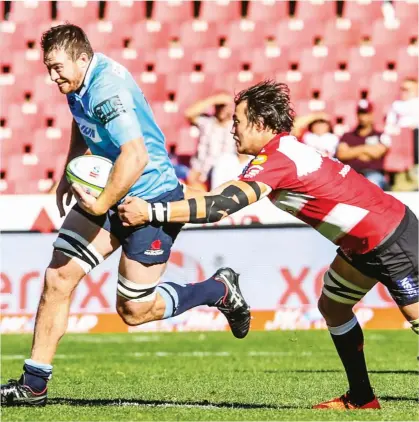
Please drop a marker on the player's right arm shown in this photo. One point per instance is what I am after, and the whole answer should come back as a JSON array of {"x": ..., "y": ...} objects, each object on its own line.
[
  {"x": 195, "y": 110},
  {"x": 77, "y": 147}
]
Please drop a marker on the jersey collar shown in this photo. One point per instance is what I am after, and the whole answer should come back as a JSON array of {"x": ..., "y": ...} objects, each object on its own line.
[
  {"x": 274, "y": 140},
  {"x": 88, "y": 76}
]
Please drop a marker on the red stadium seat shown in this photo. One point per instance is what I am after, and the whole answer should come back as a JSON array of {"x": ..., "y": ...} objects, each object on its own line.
[
  {"x": 263, "y": 64},
  {"x": 21, "y": 65},
  {"x": 366, "y": 64},
  {"x": 135, "y": 64},
  {"x": 400, "y": 156},
  {"x": 154, "y": 91},
  {"x": 147, "y": 39},
  {"x": 167, "y": 120},
  {"x": 342, "y": 37},
  {"x": 60, "y": 112},
  {"x": 362, "y": 11},
  {"x": 405, "y": 10},
  {"x": 298, "y": 89},
  {"x": 15, "y": 145},
  {"x": 189, "y": 91},
  {"x": 187, "y": 141},
  {"x": 312, "y": 64},
  {"x": 103, "y": 41},
  {"x": 265, "y": 11},
  {"x": 47, "y": 147},
  {"x": 213, "y": 63},
  {"x": 219, "y": 10},
  {"x": 11, "y": 41},
  {"x": 16, "y": 119},
  {"x": 46, "y": 92},
  {"x": 80, "y": 13},
  {"x": 124, "y": 13},
  {"x": 241, "y": 34},
  {"x": 172, "y": 11},
  {"x": 189, "y": 36},
  {"x": 297, "y": 38},
  {"x": 166, "y": 64},
  {"x": 17, "y": 171},
  {"x": 394, "y": 37},
  {"x": 381, "y": 90},
  {"x": 407, "y": 65},
  {"x": 347, "y": 110},
  {"x": 315, "y": 10},
  {"x": 232, "y": 84},
  {"x": 333, "y": 89},
  {"x": 22, "y": 11}
]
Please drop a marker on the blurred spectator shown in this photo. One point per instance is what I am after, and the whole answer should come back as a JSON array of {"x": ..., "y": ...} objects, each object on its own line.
[
  {"x": 404, "y": 113},
  {"x": 321, "y": 137},
  {"x": 228, "y": 167},
  {"x": 364, "y": 148},
  {"x": 182, "y": 171},
  {"x": 215, "y": 138}
]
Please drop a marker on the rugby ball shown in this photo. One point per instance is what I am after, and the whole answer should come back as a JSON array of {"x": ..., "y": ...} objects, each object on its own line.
[{"x": 91, "y": 172}]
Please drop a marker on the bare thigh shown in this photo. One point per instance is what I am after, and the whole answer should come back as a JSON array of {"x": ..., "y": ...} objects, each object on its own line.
[{"x": 141, "y": 274}]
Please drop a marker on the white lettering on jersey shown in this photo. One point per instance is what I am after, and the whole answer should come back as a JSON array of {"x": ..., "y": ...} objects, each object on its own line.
[
  {"x": 306, "y": 159},
  {"x": 252, "y": 171},
  {"x": 88, "y": 129},
  {"x": 345, "y": 170}
]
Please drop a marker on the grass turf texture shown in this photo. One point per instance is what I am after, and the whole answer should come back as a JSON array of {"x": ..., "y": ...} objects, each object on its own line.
[{"x": 212, "y": 376}]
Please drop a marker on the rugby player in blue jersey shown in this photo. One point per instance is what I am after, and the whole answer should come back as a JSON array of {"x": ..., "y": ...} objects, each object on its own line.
[{"x": 112, "y": 118}]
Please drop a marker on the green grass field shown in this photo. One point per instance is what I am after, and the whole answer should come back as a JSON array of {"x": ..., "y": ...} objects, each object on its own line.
[{"x": 212, "y": 376}]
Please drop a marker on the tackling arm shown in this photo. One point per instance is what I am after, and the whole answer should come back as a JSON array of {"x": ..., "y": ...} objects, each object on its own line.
[
  {"x": 210, "y": 208},
  {"x": 128, "y": 167}
]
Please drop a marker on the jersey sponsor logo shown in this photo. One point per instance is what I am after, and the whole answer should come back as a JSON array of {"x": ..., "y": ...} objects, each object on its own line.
[
  {"x": 95, "y": 172},
  {"x": 345, "y": 170},
  {"x": 252, "y": 171},
  {"x": 109, "y": 109},
  {"x": 88, "y": 130},
  {"x": 260, "y": 159}
]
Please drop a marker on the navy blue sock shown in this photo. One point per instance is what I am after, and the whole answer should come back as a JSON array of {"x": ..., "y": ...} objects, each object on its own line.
[
  {"x": 36, "y": 375},
  {"x": 181, "y": 297}
]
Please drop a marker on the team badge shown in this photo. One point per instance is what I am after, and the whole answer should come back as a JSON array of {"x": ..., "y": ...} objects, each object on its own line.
[
  {"x": 260, "y": 159},
  {"x": 109, "y": 109}
]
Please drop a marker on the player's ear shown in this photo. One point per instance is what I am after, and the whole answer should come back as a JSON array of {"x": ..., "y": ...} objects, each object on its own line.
[{"x": 83, "y": 60}]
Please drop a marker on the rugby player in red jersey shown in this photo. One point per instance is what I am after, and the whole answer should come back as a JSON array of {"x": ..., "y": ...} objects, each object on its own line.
[{"x": 376, "y": 235}]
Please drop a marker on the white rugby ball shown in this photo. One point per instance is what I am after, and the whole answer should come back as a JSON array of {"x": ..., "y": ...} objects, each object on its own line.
[{"x": 91, "y": 172}]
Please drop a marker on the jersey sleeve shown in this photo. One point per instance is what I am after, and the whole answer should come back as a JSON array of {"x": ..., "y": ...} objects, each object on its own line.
[
  {"x": 270, "y": 169},
  {"x": 113, "y": 107}
]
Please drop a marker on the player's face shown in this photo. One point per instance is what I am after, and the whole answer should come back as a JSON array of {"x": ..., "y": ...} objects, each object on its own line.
[
  {"x": 247, "y": 136},
  {"x": 409, "y": 89},
  {"x": 65, "y": 72},
  {"x": 365, "y": 119}
]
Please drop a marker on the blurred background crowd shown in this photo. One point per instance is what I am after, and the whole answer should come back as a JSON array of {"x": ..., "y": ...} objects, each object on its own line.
[{"x": 351, "y": 67}]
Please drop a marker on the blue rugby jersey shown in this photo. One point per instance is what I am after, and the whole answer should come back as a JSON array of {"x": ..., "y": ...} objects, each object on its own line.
[{"x": 110, "y": 110}]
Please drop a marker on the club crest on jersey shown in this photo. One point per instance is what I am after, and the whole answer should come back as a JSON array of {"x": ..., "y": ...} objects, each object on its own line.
[
  {"x": 260, "y": 159},
  {"x": 109, "y": 109}
]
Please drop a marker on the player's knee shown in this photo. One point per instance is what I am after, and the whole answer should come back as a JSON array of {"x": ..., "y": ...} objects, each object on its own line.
[
  {"x": 332, "y": 310},
  {"x": 133, "y": 314},
  {"x": 57, "y": 283}
]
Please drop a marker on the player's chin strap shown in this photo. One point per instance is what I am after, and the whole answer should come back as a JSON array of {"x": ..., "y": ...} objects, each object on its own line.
[{"x": 415, "y": 325}]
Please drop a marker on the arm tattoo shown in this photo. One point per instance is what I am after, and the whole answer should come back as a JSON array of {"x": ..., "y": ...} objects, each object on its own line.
[{"x": 230, "y": 200}]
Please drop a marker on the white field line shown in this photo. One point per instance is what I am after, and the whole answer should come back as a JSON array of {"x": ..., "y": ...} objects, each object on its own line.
[{"x": 162, "y": 354}]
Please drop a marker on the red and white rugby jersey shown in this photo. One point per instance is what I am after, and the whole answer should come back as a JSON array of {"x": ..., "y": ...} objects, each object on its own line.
[{"x": 326, "y": 194}]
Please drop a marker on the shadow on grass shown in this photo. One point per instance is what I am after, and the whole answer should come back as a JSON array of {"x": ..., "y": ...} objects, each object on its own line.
[
  {"x": 336, "y": 371},
  {"x": 164, "y": 403},
  {"x": 391, "y": 398}
]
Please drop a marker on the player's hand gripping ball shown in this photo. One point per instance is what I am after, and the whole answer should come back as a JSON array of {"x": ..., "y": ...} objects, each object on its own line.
[{"x": 91, "y": 172}]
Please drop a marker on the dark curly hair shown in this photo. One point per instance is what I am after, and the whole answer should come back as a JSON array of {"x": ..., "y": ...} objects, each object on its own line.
[
  {"x": 69, "y": 37},
  {"x": 268, "y": 103}
]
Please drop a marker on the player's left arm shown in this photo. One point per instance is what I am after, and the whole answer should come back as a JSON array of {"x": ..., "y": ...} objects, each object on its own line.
[
  {"x": 207, "y": 208},
  {"x": 116, "y": 113}
]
